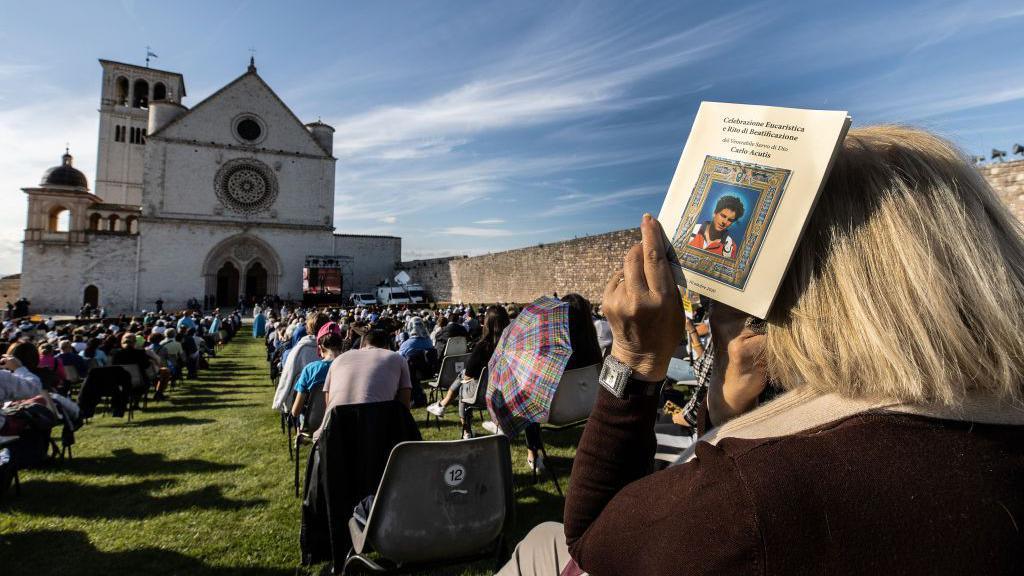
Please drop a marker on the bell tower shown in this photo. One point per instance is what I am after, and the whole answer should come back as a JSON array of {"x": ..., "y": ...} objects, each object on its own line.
[{"x": 125, "y": 99}]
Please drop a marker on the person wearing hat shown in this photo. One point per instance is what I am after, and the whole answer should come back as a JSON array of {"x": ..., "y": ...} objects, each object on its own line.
[{"x": 329, "y": 341}]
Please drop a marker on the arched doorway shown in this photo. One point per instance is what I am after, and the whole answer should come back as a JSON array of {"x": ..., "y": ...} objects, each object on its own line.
[
  {"x": 257, "y": 265},
  {"x": 227, "y": 285},
  {"x": 91, "y": 296},
  {"x": 256, "y": 281}
]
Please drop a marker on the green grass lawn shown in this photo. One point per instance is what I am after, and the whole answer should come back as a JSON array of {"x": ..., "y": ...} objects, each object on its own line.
[{"x": 200, "y": 484}]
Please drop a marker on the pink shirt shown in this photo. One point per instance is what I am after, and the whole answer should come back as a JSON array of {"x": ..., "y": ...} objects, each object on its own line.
[{"x": 366, "y": 375}]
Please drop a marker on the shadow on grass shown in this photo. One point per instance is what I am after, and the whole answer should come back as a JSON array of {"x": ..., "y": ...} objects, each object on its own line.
[
  {"x": 126, "y": 461},
  {"x": 44, "y": 552},
  {"x": 197, "y": 405},
  {"x": 123, "y": 501},
  {"x": 203, "y": 392},
  {"x": 565, "y": 438},
  {"x": 168, "y": 421}
]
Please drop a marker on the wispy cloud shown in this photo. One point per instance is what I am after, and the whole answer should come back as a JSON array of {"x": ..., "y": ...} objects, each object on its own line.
[
  {"x": 561, "y": 76},
  {"x": 10, "y": 69},
  {"x": 490, "y": 221},
  {"x": 483, "y": 232},
  {"x": 576, "y": 203}
]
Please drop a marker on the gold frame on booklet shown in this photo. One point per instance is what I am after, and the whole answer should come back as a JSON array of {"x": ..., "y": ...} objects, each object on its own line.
[{"x": 759, "y": 189}]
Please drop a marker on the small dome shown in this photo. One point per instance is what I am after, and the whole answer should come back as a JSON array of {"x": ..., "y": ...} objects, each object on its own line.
[{"x": 64, "y": 175}]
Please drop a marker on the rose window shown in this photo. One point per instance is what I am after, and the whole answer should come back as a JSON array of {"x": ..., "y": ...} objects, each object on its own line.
[{"x": 246, "y": 186}]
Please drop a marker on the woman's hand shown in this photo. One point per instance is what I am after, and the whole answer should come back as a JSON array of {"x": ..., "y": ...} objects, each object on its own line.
[
  {"x": 643, "y": 306},
  {"x": 739, "y": 374}
]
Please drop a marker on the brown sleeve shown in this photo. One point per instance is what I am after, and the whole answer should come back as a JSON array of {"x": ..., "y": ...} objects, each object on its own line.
[
  {"x": 617, "y": 447},
  {"x": 621, "y": 520}
]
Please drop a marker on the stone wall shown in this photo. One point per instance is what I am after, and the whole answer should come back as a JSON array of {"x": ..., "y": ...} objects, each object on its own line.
[
  {"x": 584, "y": 265},
  {"x": 434, "y": 274},
  {"x": 107, "y": 262},
  {"x": 1008, "y": 180}
]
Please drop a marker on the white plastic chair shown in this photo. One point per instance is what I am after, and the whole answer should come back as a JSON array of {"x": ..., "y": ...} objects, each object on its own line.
[{"x": 456, "y": 345}]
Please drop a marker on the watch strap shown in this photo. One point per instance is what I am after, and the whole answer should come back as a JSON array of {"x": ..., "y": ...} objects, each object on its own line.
[{"x": 646, "y": 388}]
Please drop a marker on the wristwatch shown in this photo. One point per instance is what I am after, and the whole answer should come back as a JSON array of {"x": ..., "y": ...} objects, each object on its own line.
[{"x": 617, "y": 378}]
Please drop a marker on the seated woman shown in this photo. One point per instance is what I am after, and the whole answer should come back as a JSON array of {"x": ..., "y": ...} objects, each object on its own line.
[
  {"x": 899, "y": 446},
  {"x": 48, "y": 361},
  {"x": 585, "y": 352},
  {"x": 17, "y": 377},
  {"x": 419, "y": 339},
  {"x": 329, "y": 342},
  {"x": 495, "y": 322}
]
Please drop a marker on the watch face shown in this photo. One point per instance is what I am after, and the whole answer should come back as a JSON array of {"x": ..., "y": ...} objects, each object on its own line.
[{"x": 612, "y": 379}]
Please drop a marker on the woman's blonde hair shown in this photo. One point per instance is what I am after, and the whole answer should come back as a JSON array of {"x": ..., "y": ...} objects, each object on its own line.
[{"x": 909, "y": 281}]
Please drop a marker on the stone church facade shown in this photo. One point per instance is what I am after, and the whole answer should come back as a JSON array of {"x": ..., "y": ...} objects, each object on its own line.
[{"x": 231, "y": 197}]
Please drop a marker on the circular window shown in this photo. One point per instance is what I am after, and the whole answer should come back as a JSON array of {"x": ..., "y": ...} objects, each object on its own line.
[
  {"x": 245, "y": 185},
  {"x": 249, "y": 129}
]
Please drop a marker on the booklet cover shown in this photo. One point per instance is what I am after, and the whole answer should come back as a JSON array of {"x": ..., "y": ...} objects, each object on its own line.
[{"x": 745, "y": 185}]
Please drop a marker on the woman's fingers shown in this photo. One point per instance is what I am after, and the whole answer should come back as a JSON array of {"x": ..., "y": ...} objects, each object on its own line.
[
  {"x": 656, "y": 269},
  {"x": 612, "y": 284},
  {"x": 633, "y": 269}
]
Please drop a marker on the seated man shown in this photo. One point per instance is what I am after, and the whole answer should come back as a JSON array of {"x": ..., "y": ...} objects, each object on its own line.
[{"x": 370, "y": 374}]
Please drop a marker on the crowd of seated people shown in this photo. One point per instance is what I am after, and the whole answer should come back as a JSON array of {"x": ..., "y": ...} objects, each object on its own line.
[
  {"x": 297, "y": 356},
  {"x": 45, "y": 363}
]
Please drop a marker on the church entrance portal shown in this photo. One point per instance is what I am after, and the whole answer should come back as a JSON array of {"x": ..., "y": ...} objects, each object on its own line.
[
  {"x": 227, "y": 285},
  {"x": 256, "y": 281},
  {"x": 243, "y": 264},
  {"x": 91, "y": 296}
]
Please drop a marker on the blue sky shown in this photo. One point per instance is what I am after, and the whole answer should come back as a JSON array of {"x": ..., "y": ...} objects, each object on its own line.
[{"x": 476, "y": 126}]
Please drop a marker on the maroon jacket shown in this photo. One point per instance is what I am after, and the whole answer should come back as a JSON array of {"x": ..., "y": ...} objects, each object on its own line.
[{"x": 876, "y": 493}]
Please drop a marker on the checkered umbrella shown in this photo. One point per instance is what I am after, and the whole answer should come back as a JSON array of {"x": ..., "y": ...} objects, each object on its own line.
[{"x": 527, "y": 365}]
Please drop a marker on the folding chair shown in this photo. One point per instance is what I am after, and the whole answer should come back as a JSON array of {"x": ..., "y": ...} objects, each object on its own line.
[
  {"x": 451, "y": 367},
  {"x": 73, "y": 379},
  {"x": 139, "y": 386},
  {"x": 438, "y": 503},
  {"x": 571, "y": 406},
  {"x": 456, "y": 345},
  {"x": 474, "y": 395},
  {"x": 309, "y": 422},
  {"x": 422, "y": 366},
  {"x": 574, "y": 399}
]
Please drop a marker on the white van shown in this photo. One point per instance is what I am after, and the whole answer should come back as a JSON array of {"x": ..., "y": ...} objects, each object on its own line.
[
  {"x": 362, "y": 299},
  {"x": 417, "y": 295},
  {"x": 388, "y": 295}
]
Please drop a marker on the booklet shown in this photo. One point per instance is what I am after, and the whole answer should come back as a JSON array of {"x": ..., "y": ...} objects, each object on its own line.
[{"x": 745, "y": 185}]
